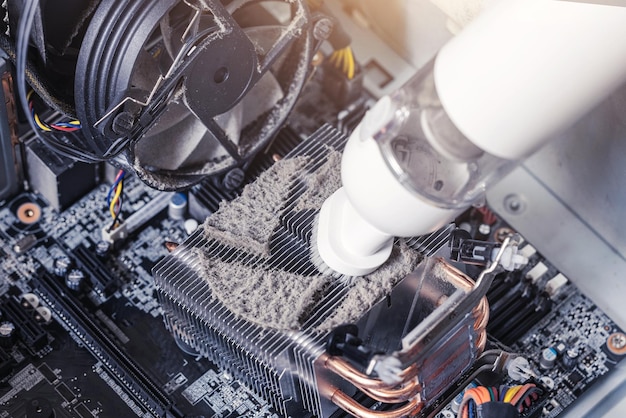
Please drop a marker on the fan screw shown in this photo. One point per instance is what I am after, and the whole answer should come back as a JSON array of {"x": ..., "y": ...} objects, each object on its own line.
[
  {"x": 233, "y": 179},
  {"x": 322, "y": 29},
  {"x": 123, "y": 123}
]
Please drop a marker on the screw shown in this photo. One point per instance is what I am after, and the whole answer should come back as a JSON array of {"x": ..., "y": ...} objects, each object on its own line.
[
  {"x": 234, "y": 178},
  {"x": 123, "y": 123},
  {"x": 322, "y": 29},
  {"x": 514, "y": 204}
]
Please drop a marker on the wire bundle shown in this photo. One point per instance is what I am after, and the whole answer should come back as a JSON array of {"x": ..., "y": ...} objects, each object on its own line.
[
  {"x": 70, "y": 126},
  {"x": 67, "y": 143},
  {"x": 343, "y": 59},
  {"x": 488, "y": 216},
  {"x": 114, "y": 198},
  {"x": 521, "y": 397}
]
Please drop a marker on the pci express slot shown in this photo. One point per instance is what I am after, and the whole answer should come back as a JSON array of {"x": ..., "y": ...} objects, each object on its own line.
[
  {"x": 6, "y": 363},
  {"x": 98, "y": 273},
  {"x": 33, "y": 335},
  {"x": 127, "y": 372}
]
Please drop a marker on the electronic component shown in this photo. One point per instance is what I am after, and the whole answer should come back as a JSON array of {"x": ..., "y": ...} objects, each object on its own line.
[
  {"x": 29, "y": 330},
  {"x": 536, "y": 272},
  {"x": 25, "y": 243},
  {"x": 548, "y": 358},
  {"x": 555, "y": 284},
  {"x": 341, "y": 88},
  {"x": 122, "y": 230},
  {"x": 616, "y": 343},
  {"x": 8, "y": 163},
  {"x": 263, "y": 226},
  {"x": 59, "y": 179},
  {"x": 76, "y": 275},
  {"x": 570, "y": 358},
  {"x": 28, "y": 213},
  {"x": 74, "y": 279},
  {"x": 8, "y": 334},
  {"x": 62, "y": 265},
  {"x": 177, "y": 208}
]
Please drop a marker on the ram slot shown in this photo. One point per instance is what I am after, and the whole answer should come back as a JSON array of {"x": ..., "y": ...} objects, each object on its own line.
[{"x": 138, "y": 385}]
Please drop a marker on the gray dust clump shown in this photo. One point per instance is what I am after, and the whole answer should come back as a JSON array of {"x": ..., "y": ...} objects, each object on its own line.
[
  {"x": 248, "y": 221},
  {"x": 270, "y": 298},
  {"x": 278, "y": 299},
  {"x": 368, "y": 290},
  {"x": 325, "y": 181}
]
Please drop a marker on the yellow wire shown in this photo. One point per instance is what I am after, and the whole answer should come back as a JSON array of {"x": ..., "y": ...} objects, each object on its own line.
[
  {"x": 116, "y": 197},
  {"x": 351, "y": 67},
  {"x": 346, "y": 64},
  {"x": 40, "y": 124},
  {"x": 510, "y": 394}
]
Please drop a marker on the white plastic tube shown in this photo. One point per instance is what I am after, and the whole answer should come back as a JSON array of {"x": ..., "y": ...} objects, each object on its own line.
[
  {"x": 521, "y": 72},
  {"x": 526, "y": 69}
]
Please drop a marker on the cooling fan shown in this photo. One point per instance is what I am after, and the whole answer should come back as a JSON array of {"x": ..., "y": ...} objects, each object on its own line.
[{"x": 194, "y": 88}]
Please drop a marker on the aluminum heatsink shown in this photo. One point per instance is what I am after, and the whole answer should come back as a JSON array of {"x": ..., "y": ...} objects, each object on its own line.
[{"x": 287, "y": 363}]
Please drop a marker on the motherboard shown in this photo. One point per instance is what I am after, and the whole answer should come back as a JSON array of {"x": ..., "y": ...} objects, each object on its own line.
[
  {"x": 540, "y": 314},
  {"x": 82, "y": 332},
  {"x": 82, "y": 335}
]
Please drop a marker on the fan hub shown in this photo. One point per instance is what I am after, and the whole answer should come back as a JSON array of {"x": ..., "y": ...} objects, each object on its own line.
[{"x": 220, "y": 74}]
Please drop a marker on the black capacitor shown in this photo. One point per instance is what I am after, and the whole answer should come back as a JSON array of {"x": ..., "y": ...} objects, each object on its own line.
[
  {"x": 8, "y": 334},
  {"x": 62, "y": 265},
  {"x": 570, "y": 358},
  {"x": 102, "y": 248},
  {"x": 74, "y": 279}
]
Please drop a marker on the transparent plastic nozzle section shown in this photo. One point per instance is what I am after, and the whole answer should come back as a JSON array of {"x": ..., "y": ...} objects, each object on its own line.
[
  {"x": 406, "y": 171},
  {"x": 427, "y": 153}
]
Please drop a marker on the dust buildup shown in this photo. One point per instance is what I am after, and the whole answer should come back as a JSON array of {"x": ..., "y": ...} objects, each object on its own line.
[
  {"x": 278, "y": 299},
  {"x": 369, "y": 290},
  {"x": 269, "y": 298},
  {"x": 248, "y": 221},
  {"x": 326, "y": 181}
]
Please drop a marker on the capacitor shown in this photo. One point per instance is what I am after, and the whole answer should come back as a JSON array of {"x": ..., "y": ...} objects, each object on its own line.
[
  {"x": 102, "y": 248},
  {"x": 62, "y": 265},
  {"x": 74, "y": 279},
  {"x": 455, "y": 405},
  {"x": 8, "y": 334},
  {"x": 570, "y": 358},
  {"x": 190, "y": 226},
  {"x": 177, "y": 207},
  {"x": 548, "y": 358}
]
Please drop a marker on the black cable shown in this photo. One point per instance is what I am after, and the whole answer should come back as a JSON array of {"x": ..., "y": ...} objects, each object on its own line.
[{"x": 59, "y": 145}]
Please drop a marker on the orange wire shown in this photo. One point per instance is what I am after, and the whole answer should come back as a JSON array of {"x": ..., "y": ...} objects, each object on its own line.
[{"x": 520, "y": 394}]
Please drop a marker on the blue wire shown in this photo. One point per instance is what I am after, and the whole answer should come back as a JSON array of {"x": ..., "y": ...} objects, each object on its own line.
[
  {"x": 114, "y": 186},
  {"x": 67, "y": 125},
  {"x": 470, "y": 406}
]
